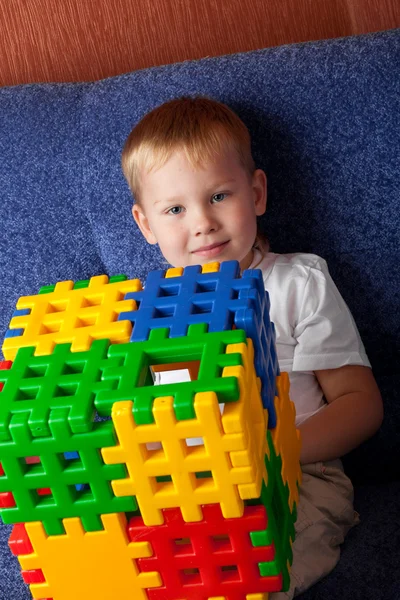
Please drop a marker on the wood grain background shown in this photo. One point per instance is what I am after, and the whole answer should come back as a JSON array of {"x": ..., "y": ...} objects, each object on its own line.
[{"x": 81, "y": 40}]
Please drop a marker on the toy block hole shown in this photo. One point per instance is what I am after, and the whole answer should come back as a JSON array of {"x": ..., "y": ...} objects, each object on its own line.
[
  {"x": 182, "y": 547},
  {"x": 190, "y": 577},
  {"x": 235, "y": 294},
  {"x": 81, "y": 493},
  {"x": 201, "y": 308},
  {"x": 86, "y": 321},
  {"x": 32, "y": 465},
  {"x": 168, "y": 290},
  {"x": 163, "y": 485},
  {"x": 73, "y": 368},
  {"x": 35, "y": 371},
  {"x": 229, "y": 573},
  {"x": 163, "y": 478},
  {"x": 221, "y": 543},
  {"x": 175, "y": 372},
  {"x": 65, "y": 389},
  {"x": 192, "y": 442},
  {"x": 152, "y": 447},
  {"x": 2, "y": 474},
  {"x": 164, "y": 311},
  {"x": 204, "y": 480},
  {"x": 48, "y": 328},
  {"x": 203, "y": 475},
  {"x": 205, "y": 286},
  {"x": 30, "y": 393},
  {"x": 44, "y": 491},
  {"x": 56, "y": 307},
  {"x": 43, "y": 497},
  {"x": 95, "y": 300},
  {"x": 70, "y": 462}
]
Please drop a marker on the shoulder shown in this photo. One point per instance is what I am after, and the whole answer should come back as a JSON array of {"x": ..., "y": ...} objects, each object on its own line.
[{"x": 295, "y": 268}]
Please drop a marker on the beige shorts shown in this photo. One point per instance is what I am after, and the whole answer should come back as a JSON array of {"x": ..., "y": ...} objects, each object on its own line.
[{"x": 324, "y": 516}]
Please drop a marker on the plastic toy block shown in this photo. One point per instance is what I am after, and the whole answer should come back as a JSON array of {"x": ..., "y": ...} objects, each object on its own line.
[
  {"x": 233, "y": 451},
  {"x": 5, "y": 364},
  {"x": 215, "y": 295},
  {"x": 24, "y": 478},
  {"x": 82, "y": 565},
  {"x": 37, "y": 385},
  {"x": 72, "y": 315},
  {"x": 13, "y": 333},
  {"x": 33, "y": 576},
  {"x": 79, "y": 285},
  {"x": 19, "y": 542},
  {"x": 131, "y": 379},
  {"x": 7, "y": 500},
  {"x": 47, "y": 289},
  {"x": 286, "y": 439},
  {"x": 210, "y": 558},
  {"x": 280, "y": 532}
]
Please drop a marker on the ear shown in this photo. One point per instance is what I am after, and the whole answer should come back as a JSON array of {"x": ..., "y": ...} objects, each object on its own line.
[
  {"x": 143, "y": 223},
  {"x": 259, "y": 185}
]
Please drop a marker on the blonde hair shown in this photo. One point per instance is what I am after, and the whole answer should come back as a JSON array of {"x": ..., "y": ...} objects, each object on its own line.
[{"x": 200, "y": 127}]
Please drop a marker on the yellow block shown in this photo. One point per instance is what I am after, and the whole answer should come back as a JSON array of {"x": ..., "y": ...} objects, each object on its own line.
[
  {"x": 233, "y": 450},
  {"x": 73, "y": 316},
  {"x": 286, "y": 438},
  {"x": 84, "y": 565},
  {"x": 212, "y": 267}
]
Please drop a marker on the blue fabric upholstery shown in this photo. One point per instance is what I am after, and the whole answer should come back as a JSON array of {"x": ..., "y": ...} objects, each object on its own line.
[{"x": 324, "y": 122}]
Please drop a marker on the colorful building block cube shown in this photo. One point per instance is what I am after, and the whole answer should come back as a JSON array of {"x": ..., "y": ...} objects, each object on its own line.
[{"x": 122, "y": 488}]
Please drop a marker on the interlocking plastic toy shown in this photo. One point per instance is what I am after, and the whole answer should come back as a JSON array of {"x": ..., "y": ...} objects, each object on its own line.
[{"x": 119, "y": 487}]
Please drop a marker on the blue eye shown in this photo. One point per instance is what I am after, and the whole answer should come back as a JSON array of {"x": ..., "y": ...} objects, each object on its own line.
[
  {"x": 175, "y": 210},
  {"x": 219, "y": 197}
]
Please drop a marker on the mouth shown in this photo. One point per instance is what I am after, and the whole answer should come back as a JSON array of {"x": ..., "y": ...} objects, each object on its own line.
[{"x": 212, "y": 250}]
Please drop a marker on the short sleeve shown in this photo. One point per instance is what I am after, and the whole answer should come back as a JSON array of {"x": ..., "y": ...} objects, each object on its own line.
[{"x": 326, "y": 334}]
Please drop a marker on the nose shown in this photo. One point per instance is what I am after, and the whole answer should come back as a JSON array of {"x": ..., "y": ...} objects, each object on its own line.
[{"x": 204, "y": 222}]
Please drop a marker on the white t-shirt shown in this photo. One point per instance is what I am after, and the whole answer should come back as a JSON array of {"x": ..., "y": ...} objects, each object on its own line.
[{"x": 314, "y": 327}]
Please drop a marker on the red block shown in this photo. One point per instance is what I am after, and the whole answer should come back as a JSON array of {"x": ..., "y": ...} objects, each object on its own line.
[
  {"x": 4, "y": 364},
  {"x": 34, "y": 576},
  {"x": 1, "y": 470},
  {"x": 19, "y": 541},
  {"x": 32, "y": 460},
  {"x": 7, "y": 500},
  {"x": 44, "y": 491},
  {"x": 212, "y": 557}
]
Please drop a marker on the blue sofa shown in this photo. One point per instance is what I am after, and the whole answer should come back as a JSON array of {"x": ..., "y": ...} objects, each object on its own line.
[{"x": 325, "y": 124}]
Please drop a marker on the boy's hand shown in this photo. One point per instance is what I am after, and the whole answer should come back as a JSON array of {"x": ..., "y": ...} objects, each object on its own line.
[{"x": 353, "y": 414}]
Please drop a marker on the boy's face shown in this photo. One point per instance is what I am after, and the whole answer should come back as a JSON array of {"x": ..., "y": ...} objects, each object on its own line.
[{"x": 204, "y": 214}]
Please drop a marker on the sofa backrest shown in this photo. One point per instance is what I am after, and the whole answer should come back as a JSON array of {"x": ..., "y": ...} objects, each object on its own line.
[{"x": 324, "y": 122}]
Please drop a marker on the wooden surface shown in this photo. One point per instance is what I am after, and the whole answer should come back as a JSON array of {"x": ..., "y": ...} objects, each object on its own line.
[{"x": 80, "y": 40}]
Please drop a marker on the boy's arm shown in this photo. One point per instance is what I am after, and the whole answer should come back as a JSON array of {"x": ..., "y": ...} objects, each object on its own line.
[{"x": 353, "y": 414}]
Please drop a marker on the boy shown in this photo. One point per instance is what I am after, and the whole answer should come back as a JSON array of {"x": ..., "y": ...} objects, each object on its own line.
[{"x": 198, "y": 195}]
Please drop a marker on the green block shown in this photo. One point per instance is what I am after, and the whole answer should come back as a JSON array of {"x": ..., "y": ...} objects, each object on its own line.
[
  {"x": 280, "y": 529},
  {"x": 129, "y": 379},
  {"x": 83, "y": 283},
  {"x": 60, "y": 474},
  {"x": 37, "y": 385},
  {"x": 47, "y": 289},
  {"x": 117, "y": 278}
]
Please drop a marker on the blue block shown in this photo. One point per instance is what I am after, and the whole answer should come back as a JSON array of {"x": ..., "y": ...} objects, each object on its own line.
[
  {"x": 14, "y": 333},
  {"x": 22, "y": 312}
]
